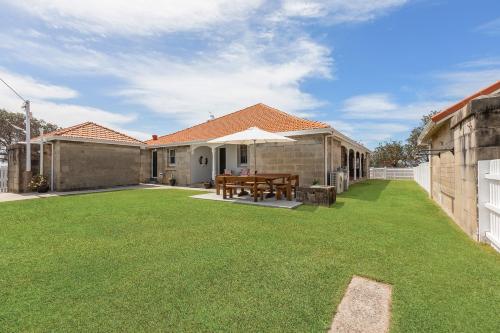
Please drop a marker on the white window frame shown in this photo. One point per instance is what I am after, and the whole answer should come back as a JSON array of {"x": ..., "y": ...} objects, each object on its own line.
[{"x": 169, "y": 157}]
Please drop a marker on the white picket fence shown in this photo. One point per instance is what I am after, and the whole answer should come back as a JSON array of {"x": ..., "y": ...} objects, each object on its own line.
[
  {"x": 3, "y": 178},
  {"x": 391, "y": 173},
  {"x": 422, "y": 175},
  {"x": 489, "y": 202}
]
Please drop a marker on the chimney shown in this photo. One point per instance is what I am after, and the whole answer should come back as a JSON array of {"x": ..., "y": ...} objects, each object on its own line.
[{"x": 155, "y": 137}]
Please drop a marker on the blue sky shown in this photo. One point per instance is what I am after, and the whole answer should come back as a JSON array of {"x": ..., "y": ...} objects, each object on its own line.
[{"x": 369, "y": 68}]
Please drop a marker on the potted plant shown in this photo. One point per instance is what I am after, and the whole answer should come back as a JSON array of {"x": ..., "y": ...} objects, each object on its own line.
[
  {"x": 171, "y": 179},
  {"x": 39, "y": 183}
]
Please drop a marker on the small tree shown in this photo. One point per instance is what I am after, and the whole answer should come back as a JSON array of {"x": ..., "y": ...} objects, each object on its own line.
[
  {"x": 413, "y": 158},
  {"x": 9, "y": 134},
  {"x": 389, "y": 154}
]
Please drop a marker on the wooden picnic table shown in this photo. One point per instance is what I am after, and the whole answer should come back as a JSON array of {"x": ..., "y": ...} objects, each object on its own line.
[{"x": 252, "y": 182}]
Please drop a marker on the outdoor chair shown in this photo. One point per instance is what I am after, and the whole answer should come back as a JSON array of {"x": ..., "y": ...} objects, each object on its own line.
[{"x": 291, "y": 185}]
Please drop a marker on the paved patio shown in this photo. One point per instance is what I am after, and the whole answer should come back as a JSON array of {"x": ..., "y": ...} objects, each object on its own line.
[{"x": 248, "y": 200}]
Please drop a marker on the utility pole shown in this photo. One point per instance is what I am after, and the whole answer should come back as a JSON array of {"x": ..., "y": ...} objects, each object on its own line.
[
  {"x": 41, "y": 151},
  {"x": 28, "y": 135}
]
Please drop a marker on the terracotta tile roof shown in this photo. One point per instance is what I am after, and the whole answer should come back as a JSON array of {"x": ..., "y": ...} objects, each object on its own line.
[
  {"x": 259, "y": 115},
  {"x": 90, "y": 130},
  {"x": 455, "y": 107}
]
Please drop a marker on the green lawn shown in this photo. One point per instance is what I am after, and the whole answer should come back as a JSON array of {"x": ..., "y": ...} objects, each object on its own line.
[{"x": 157, "y": 260}]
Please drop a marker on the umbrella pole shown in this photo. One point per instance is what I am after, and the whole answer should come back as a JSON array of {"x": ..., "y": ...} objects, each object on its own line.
[{"x": 254, "y": 157}]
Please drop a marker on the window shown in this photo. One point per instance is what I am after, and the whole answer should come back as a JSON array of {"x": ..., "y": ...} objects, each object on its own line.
[
  {"x": 242, "y": 155},
  {"x": 171, "y": 156}
]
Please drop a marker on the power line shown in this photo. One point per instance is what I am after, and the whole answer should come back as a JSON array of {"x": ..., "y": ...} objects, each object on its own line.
[{"x": 13, "y": 90}]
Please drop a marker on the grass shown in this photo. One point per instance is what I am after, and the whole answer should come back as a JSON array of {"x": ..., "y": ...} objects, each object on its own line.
[{"x": 157, "y": 260}]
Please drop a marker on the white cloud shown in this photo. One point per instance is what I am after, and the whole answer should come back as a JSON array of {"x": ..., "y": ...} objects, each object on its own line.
[
  {"x": 243, "y": 73},
  {"x": 132, "y": 17},
  {"x": 382, "y": 106},
  {"x": 369, "y": 103},
  {"x": 370, "y": 133},
  {"x": 36, "y": 89},
  {"x": 225, "y": 82},
  {"x": 337, "y": 11},
  {"x": 482, "y": 62},
  {"x": 491, "y": 27},
  {"x": 460, "y": 84},
  {"x": 61, "y": 113}
]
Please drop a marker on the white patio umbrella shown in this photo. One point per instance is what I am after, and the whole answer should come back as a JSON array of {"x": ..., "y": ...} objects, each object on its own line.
[{"x": 252, "y": 135}]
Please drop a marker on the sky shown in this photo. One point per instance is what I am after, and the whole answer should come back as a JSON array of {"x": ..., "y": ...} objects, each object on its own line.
[{"x": 369, "y": 68}]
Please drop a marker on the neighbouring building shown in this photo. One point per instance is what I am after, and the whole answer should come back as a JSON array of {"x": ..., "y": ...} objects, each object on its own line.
[
  {"x": 88, "y": 155},
  {"x": 85, "y": 156},
  {"x": 457, "y": 138}
]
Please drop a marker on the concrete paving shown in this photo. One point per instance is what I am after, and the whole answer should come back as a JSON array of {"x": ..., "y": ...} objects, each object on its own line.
[
  {"x": 248, "y": 200},
  {"x": 365, "y": 308},
  {"x": 5, "y": 197}
]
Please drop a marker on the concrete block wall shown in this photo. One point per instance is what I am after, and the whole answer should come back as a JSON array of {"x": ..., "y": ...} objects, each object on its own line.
[
  {"x": 81, "y": 165},
  {"x": 182, "y": 168},
  {"x": 145, "y": 169},
  {"x": 16, "y": 166},
  {"x": 474, "y": 133},
  {"x": 18, "y": 179},
  {"x": 304, "y": 157}
]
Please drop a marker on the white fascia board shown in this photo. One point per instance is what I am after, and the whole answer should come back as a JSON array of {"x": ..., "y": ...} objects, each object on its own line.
[{"x": 329, "y": 131}]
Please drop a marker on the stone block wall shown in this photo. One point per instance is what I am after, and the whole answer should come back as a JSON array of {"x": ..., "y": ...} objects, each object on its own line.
[
  {"x": 145, "y": 170},
  {"x": 304, "y": 157},
  {"x": 474, "y": 133},
  {"x": 82, "y": 165},
  {"x": 18, "y": 179},
  {"x": 16, "y": 166},
  {"x": 182, "y": 168}
]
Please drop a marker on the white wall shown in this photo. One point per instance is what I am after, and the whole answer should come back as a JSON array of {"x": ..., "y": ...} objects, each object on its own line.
[
  {"x": 201, "y": 172},
  {"x": 232, "y": 159}
]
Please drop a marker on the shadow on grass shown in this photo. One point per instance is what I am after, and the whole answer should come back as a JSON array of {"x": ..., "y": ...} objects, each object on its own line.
[
  {"x": 368, "y": 190},
  {"x": 313, "y": 208},
  {"x": 307, "y": 208}
]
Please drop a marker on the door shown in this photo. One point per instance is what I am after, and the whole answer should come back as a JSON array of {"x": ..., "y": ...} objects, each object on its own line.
[
  {"x": 154, "y": 164},
  {"x": 222, "y": 160}
]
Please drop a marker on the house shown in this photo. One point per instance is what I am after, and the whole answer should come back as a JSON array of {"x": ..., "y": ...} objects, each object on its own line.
[
  {"x": 89, "y": 155},
  {"x": 457, "y": 138},
  {"x": 318, "y": 150},
  {"x": 85, "y": 156}
]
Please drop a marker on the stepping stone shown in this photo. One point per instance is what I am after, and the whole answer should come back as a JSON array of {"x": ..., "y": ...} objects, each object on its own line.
[{"x": 365, "y": 308}]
